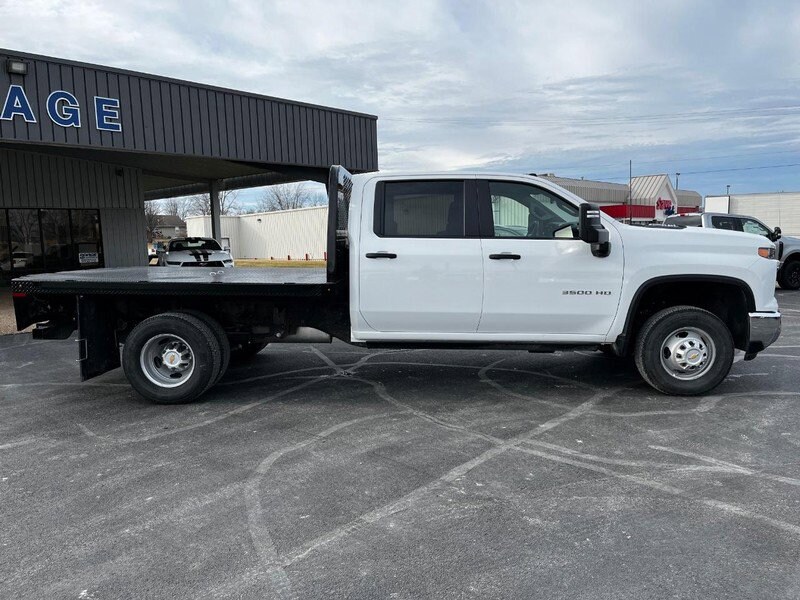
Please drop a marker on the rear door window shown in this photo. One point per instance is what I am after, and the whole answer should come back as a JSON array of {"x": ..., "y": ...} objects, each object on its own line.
[
  {"x": 725, "y": 222},
  {"x": 421, "y": 209}
]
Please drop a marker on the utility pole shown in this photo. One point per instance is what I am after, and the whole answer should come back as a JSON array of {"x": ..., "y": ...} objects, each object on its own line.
[
  {"x": 728, "y": 190},
  {"x": 630, "y": 192}
]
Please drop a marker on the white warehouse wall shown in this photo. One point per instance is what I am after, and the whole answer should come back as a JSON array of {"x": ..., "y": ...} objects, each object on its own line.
[{"x": 275, "y": 234}]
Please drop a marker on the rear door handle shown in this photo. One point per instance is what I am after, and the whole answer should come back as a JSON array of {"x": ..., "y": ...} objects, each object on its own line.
[
  {"x": 381, "y": 255},
  {"x": 505, "y": 256}
]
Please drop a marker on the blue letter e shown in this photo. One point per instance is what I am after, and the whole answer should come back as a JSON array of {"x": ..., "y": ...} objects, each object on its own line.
[
  {"x": 17, "y": 104},
  {"x": 106, "y": 113}
]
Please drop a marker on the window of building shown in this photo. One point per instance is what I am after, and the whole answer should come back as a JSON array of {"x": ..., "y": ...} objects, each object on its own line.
[
  {"x": 5, "y": 250},
  {"x": 58, "y": 252},
  {"x": 86, "y": 237},
  {"x": 520, "y": 210},
  {"x": 49, "y": 240},
  {"x": 421, "y": 209},
  {"x": 26, "y": 238}
]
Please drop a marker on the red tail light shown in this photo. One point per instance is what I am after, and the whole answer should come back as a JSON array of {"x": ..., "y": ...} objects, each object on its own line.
[{"x": 19, "y": 295}]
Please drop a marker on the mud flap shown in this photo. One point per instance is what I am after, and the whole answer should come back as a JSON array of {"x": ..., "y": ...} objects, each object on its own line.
[{"x": 98, "y": 349}]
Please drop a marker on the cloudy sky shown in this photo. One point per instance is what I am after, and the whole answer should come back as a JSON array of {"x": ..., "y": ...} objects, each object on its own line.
[{"x": 579, "y": 88}]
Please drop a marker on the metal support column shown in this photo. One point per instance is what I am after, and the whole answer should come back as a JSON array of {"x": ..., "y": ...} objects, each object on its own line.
[{"x": 214, "y": 189}]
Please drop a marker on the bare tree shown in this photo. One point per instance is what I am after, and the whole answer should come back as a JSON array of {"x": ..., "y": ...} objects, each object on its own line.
[
  {"x": 286, "y": 196},
  {"x": 152, "y": 209},
  {"x": 178, "y": 207},
  {"x": 201, "y": 203}
]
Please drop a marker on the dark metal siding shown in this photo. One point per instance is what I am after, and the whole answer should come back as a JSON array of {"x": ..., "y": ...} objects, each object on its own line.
[
  {"x": 124, "y": 237},
  {"x": 30, "y": 180},
  {"x": 164, "y": 115}
]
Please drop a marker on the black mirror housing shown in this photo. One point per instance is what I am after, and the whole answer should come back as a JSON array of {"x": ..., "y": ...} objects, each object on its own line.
[
  {"x": 591, "y": 230},
  {"x": 776, "y": 234}
]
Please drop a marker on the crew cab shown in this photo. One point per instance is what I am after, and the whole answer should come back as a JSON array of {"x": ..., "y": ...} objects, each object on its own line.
[
  {"x": 787, "y": 248},
  {"x": 434, "y": 260}
]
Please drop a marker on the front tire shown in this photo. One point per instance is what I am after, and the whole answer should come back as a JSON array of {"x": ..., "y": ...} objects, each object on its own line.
[
  {"x": 684, "y": 351},
  {"x": 171, "y": 358},
  {"x": 789, "y": 276}
]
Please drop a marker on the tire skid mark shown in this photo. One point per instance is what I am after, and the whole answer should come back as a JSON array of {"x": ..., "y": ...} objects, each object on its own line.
[
  {"x": 625, "y": 462},
  {"x": 734, "y": 468},
  {"x": 94, "y": 384},
  {"x": 380, "y": 390},
  {"x": 259, "y": 532},
  {"x": 9, "y": 445},
  {"x": 456, "y": 472},
  {"x": 239, "y": 410},
  {"x": 668, "y": 489}
]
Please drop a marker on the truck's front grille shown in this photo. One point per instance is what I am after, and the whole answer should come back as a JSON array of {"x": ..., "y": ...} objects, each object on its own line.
[{"x": 209, "y": 263}]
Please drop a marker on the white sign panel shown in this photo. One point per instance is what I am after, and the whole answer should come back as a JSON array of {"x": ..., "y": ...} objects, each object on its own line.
[{"x": 88, "y": 258}]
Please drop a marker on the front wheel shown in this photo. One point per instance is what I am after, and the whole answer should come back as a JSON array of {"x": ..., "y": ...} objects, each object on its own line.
[
  {"x": 171, "y": 358},
  {"x": 789, "y": 276},
  {"x": 684, "y": 351}
]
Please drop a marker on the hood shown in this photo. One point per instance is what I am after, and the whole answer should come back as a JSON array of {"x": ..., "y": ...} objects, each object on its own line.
[
  {"x": 199, "y": 255},
  {"x": 670, "y": 240}
]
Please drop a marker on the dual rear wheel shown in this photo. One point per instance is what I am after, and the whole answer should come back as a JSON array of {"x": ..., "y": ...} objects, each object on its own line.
[{"x": 175, "y": 357}]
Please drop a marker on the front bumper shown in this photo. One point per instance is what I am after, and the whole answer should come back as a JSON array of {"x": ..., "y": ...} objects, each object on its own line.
[{"x": 765, "y": 327}]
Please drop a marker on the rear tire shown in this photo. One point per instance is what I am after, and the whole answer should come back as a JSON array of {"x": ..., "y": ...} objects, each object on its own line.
[
  {"x": 222, "y": 339},
  {"x": 789, "y": 275},
  {"x": 684, "y": 351},
  {"x": 171, "y": 358}
]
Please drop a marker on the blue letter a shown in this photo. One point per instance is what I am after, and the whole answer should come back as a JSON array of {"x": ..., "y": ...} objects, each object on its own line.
[{"x": 17, "y": 104}]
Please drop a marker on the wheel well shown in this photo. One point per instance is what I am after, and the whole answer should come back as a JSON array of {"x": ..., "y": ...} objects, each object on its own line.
[
  {"x": 792, "y": 258},
  {"x": 729, "y": 300}
]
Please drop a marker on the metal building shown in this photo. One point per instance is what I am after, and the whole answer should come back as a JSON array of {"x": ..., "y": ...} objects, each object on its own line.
[
  {"x": 82, "y": 147},
  {"x": 650, "y": 197},
  {"x": 281, "y": 234}
]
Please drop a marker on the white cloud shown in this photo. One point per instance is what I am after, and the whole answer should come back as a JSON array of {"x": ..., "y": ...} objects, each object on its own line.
[{"x": 518, "y": 84}]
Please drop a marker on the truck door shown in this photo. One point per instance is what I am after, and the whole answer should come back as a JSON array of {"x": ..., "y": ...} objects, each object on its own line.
[
  {"x": 420, "y": 267},
  {"x": 539, "y": 278}
]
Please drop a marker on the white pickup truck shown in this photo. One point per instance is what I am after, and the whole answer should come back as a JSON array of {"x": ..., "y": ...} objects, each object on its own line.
[{"x": 434, "y": 260}]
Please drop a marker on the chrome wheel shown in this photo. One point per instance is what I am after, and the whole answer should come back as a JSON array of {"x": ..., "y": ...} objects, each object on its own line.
[
  {"x": 167, "y": 360},
  {"x": 687, "y": 353}
]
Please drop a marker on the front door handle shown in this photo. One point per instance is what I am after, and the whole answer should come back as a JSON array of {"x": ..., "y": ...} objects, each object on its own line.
[
  {"x": 505, "y": 256},
  {"x": 381, "y": 255}
]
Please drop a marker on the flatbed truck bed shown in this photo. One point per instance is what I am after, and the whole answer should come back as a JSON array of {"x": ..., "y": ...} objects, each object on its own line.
[{"x": 177, "y": 281}]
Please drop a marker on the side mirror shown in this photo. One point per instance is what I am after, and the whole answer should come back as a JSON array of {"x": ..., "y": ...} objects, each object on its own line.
[
  {"x": 591, "y": 230},
  {"x": 226, "y": 248},
  {"x": 776, "y": 234}
]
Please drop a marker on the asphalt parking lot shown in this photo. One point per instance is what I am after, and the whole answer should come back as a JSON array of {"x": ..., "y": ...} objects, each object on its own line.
[{"x": 331, "y": 472}]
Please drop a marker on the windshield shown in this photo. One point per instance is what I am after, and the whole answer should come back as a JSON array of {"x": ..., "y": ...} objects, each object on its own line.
[{"x": 193, "y": 244}]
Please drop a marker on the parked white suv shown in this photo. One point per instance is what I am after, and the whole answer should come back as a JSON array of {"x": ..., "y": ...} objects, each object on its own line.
[{"x": 195, "y": 252}]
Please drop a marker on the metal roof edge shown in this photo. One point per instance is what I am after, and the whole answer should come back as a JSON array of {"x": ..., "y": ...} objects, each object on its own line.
[{"x": 86, "y": 65}]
